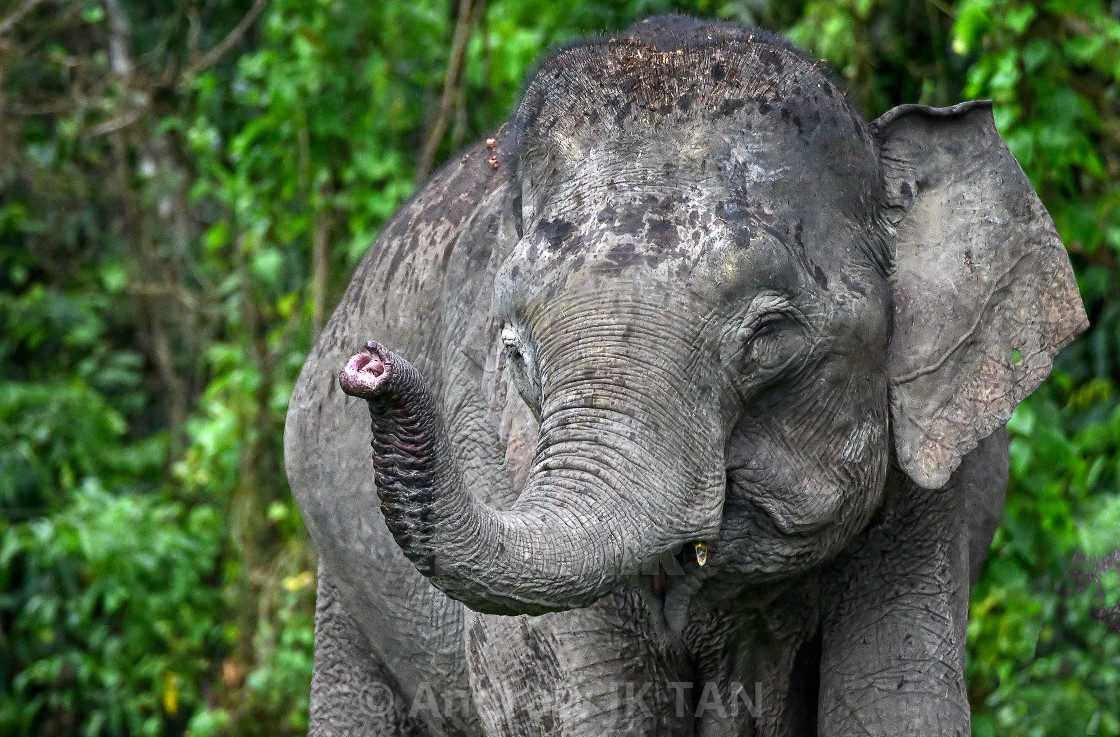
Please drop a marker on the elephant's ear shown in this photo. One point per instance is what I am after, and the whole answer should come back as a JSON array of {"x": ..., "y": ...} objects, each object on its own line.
[{"x": 984, "y": 294}]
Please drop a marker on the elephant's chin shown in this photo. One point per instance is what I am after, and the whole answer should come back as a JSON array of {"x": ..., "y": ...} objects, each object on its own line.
[
  {"x": 671, "y": 583},
  {"x": 679, "y": 600},
  {"x": 757, "y": 553}
]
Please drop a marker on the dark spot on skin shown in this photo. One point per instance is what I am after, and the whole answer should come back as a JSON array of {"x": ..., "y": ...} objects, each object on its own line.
[
  {"x": 514, "y": 272},
  {"x": 662, "y": 230},
  {"x": 622, "y": 254},
  {"x": 555, "y": 231},
  {"x": 906, "y": 190},
  {"x": 771, "y": 60},
  {"x": 630, "y": 222},
  {"x": 398, "y": 257},
  {"x": 789, "y": 117},
  {"x": 764, "y": 108},
  {"x": 819, "y": 277},
  {"x": 619, "y": 257},
  {"x": 731, "y": 106},
  {"x": 607, "y": 214},
  {"x": 719, "y": 71},
  {"x": 684, "y": 102},
  {"x": 812, "y": 119}
]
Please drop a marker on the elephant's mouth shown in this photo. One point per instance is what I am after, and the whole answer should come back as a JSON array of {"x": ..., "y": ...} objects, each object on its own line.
[
  {"x": 669, "y": 566},
  {"x": 671, "y": 582}
]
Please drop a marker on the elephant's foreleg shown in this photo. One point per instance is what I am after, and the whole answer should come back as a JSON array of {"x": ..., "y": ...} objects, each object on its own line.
[
  {"x": 894, "y": 633},
  {"x": 352, "y": 695}
]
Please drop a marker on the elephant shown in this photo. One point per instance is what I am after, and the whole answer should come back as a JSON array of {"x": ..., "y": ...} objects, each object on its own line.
[{"x": 687, "y": 391}]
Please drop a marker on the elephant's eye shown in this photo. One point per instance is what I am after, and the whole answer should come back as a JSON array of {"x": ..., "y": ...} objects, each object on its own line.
[
  {"x": 510, "y": 341},
  {"x": 522, "y": 370},
  {"x": 765, "y": 328},
  {"x": 513, "y": 348}
]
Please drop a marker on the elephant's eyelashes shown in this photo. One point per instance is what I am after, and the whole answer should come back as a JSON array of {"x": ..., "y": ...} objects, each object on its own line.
[{"x": 763, "y": 329}]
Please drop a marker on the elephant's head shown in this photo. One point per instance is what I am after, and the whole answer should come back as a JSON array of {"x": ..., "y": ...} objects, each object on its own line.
[{"x": 731, "y": 302}]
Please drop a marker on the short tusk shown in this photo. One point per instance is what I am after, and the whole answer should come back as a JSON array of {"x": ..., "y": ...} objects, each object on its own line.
[{"x": 701, "y": 550}]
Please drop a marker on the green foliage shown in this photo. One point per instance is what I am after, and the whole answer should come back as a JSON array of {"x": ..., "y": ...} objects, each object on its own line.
[
  {"x": 112, "y": 605},
  {"x": 175, "y": 226}
]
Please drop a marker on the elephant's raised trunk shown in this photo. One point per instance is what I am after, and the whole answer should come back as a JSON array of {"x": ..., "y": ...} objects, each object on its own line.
[{"x": 601, "y": 499}]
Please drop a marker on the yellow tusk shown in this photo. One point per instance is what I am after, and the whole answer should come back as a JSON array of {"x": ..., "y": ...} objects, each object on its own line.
[{"x": 701, "y": 553}]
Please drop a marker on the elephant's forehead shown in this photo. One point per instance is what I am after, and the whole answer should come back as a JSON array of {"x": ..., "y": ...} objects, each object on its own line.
[
  {"x": 677, "y": 191},
  {"x": 678, "y": 224},
  {"x": 664, "y": 239}
]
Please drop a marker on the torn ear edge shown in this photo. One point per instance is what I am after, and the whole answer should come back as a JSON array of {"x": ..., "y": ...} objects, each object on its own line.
[{"x": 984, "y": 294}]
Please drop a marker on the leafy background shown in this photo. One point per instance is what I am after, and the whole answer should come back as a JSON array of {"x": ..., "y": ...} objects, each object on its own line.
[{"x": 185, "y": 186}]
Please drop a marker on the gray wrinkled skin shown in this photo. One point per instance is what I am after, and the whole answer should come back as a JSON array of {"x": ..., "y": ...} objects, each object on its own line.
[{"x": 688, "y": 295}]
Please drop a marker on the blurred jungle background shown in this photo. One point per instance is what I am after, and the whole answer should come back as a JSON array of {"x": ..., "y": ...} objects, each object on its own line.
[{"x": 185, "y": 187}]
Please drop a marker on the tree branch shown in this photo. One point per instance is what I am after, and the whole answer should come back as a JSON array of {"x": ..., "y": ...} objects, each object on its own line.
[
  {"x": 115, "y": 124},
  {"x": 450, "y": 82},
  {"x": 120, "y": 41},
  {"x": 214, "y": 55},
  {"x": 17, "y": 15}
]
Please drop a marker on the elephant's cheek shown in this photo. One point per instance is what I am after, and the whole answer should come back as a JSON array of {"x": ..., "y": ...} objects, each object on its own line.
[{"x": 800, "y": 510}]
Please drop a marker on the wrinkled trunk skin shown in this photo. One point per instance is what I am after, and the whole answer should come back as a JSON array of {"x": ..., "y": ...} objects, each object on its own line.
[{"x": 605, "y": 493}]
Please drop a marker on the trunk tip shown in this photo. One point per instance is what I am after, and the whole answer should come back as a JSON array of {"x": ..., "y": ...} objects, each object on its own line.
[{"x": 366, "y": 372}]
